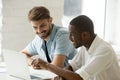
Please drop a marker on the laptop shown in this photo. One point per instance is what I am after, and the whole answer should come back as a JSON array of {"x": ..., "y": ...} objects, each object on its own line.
[{"x": 16, "y": 64}]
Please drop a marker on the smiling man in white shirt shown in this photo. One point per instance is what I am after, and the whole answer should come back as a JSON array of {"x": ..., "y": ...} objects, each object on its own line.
[{"x": 96, "y": 60}]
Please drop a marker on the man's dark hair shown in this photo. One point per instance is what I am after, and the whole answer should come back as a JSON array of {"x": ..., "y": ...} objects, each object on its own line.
[
  {"x": 83, "y": 23},
  {"x": 37, "y": 13}
]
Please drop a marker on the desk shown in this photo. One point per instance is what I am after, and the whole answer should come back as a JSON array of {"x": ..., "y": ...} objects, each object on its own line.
[{"x": 44, "y": 74}]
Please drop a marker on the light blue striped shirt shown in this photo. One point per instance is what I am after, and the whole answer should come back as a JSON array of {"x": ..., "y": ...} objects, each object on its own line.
[{"x": 58, "y": 43}]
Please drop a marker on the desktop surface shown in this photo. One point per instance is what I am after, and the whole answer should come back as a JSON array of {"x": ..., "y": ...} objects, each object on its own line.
[{"x": 44, "y": 74}]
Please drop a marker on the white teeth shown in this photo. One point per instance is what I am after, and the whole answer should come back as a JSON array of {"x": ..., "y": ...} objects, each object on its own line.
[{"x": 41, "y": 32}]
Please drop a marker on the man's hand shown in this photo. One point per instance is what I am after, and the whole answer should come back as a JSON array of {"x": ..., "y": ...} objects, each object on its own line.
[
  {"x": 58, "y": 78},
  {"x": 38, "y": 64}
]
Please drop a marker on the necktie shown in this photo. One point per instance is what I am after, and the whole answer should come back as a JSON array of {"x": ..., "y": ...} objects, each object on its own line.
[{"x": 47, "y": 55}]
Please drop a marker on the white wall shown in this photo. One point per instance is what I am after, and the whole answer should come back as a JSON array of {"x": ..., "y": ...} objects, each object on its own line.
[
  {"x": 95, "y": 9},
  {"x": 0, "y": 28},
  {"x": 17, "y": 31},
  {"x": 113, "y": 22}
]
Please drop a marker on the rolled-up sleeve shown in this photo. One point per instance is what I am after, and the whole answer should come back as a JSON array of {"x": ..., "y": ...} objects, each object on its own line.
[
  {"x": 83, "y": 73},
  {"x": 31, "y": 47},
  {"x": 77, "y": 65},
  {"x": 96, "y": 64},
  {"x": 76, "y": 62}
]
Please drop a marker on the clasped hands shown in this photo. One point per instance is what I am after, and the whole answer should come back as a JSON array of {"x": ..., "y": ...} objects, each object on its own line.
[{"x": 38, "y": 64}]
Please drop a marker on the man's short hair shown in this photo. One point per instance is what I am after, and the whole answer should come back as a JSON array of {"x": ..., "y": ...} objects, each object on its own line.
[
  {"x": 83, "y": 23},
  {"x": 37, "y": 13}
]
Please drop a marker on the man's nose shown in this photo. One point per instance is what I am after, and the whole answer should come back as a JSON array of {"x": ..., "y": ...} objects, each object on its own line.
[
  {"x": 71, "y": 38},
  {"x": 38, "y": 30}
]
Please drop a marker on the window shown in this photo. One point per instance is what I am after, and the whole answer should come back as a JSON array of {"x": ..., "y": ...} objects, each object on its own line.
[
  {"x": 104, "y": 14},
  {"x": 71, "y": 9},
  {"x": 0, "y": 27},
  {"x": 112, "y": 23}
]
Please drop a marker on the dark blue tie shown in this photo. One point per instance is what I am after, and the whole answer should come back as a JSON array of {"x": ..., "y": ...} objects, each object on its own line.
[{"x": 47, "y": 55}]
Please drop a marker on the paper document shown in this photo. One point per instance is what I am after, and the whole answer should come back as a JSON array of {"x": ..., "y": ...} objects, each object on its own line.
[{"x": 44, "y": 74}]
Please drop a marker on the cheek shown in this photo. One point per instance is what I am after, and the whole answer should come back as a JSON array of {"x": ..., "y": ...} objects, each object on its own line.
[
  {"x": 70, "y": 38},
  {"x": 47, "y": 27},
  {"x": 77, "y": 40}
]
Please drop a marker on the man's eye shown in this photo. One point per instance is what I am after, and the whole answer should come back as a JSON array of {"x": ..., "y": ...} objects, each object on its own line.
[
  {"x": 72, "y": 37},
  {"x": 35, "y": 27},
  {"x": 42, "y": 25}
]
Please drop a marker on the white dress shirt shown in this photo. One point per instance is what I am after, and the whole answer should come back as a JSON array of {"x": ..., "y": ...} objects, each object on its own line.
[{"x": 99, "y": 62}]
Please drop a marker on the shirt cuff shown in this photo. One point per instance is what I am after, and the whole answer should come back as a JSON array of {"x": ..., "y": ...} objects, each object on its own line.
[
  {"x": 73, "y": 65},
  {"x": 83, "y": 73}
]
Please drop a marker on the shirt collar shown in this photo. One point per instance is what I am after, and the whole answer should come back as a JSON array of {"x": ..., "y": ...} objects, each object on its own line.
[
  {"x": 94, "y": 45},
  {"x": 53, "y": 33}
]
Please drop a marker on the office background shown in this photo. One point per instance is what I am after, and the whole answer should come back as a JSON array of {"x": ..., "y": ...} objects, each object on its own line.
[{"x": 17, "y": 31}]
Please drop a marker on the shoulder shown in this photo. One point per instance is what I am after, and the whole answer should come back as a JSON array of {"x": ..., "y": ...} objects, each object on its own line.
[
  {"x": 61, "y": 31},
  {"x": 37, "y": 40},
  {"x": 104, "y": 48},
  {"x": 105, "y": 45}
]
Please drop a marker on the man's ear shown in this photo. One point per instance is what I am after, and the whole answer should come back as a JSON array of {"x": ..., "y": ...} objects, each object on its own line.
[
  {"x": 50, "y": 19},
  {"x": 85, "y": 35}
]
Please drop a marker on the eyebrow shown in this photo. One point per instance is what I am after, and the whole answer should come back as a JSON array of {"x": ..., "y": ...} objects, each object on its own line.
[{"x": 42, "y": 24}]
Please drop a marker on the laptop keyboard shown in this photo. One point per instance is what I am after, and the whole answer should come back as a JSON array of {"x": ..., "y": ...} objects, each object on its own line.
[{"x": 35, "y": 77}]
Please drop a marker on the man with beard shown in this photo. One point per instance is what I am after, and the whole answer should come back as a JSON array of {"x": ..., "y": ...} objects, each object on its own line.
[
  {"x": 96, "y": 59},
  {"x": 51, "y": 42}
]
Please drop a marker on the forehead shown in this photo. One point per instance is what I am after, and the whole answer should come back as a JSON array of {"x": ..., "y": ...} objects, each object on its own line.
[
  {"x": 72, "y": 28},
  {"x": 39, "y": 22}
]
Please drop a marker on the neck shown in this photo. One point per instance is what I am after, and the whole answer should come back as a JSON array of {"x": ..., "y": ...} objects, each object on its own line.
[
  {"x": 46, "y": 39},
  {"x": 91, "y": 39}
]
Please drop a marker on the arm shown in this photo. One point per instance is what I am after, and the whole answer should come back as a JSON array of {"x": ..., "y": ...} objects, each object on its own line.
[
  {"x": 29, "y": 59},
  {"x": 63, "y": 48},
  {"x": 68, "y": 68},
  {"x": 58, "y": 60},
  {"x": 66, "y": 74}
]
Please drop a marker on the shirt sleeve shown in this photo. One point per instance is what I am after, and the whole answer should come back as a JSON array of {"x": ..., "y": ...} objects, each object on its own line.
[
  {"x": 97, "y": 64},
  {"x": 76, "y": 62},
  {"x": 31, "y": 47},
  {"x": 64, "y": 45}
]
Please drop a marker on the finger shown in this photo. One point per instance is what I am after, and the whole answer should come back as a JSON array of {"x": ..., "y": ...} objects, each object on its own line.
[
  {"x": 56, "y": 78},
  {"x": 37, "y": 68},
  {"x": 33, "y": 61},
  {"x": 35, "y": 64},
  {"x": 61, "y": 78}
]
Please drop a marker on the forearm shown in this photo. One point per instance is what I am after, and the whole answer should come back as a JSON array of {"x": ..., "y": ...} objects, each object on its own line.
[
  {"x": 68, "y": 75},
  {"x": 68, "y": 68},
  {"x": 57, "y": 64},
  {"x": 58, "y": 60},
  {"x": 29, "y": 59}
]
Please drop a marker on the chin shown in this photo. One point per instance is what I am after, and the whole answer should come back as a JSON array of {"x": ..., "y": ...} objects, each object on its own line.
[
  {"x": 42, "y": 37},
  {"x": 77, "y": 46}
]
